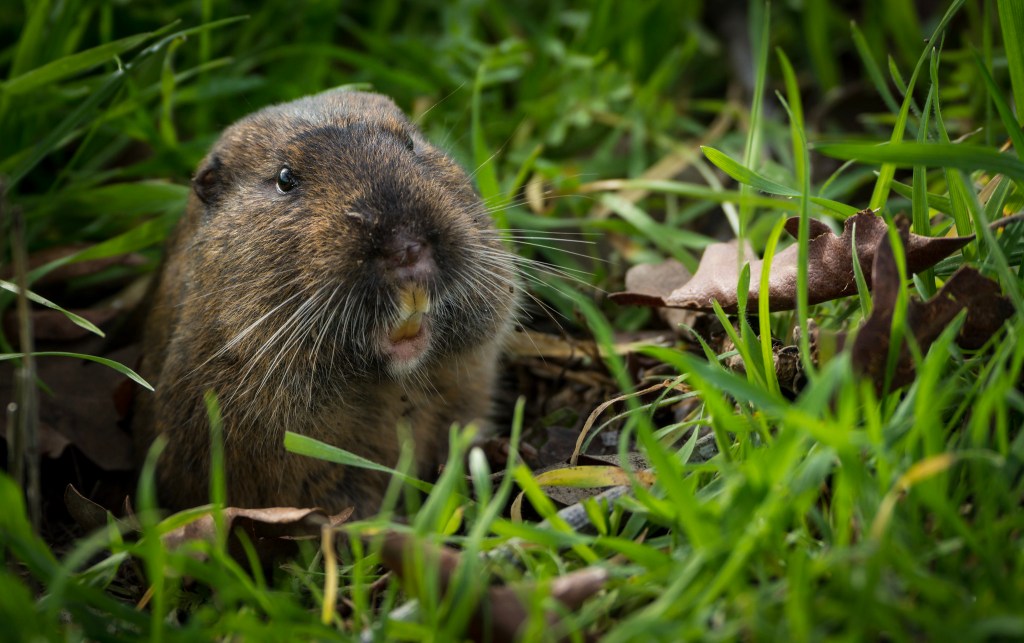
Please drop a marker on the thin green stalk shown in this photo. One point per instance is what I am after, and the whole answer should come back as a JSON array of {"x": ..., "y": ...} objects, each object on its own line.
[{"x": 760, "y": 23}]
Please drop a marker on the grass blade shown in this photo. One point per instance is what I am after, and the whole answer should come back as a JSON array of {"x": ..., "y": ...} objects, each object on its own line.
[
  {"x": 304, "y": 445},
  {"x": 76, "y": 319},
  {"x": 1013, "y": 128},
  {"x": 760, "y": 23},
  {"x": 62, "y": 68},
  {"x": 871, "y": 67},
  {"x": 888, "y": 170},
  {"x": 747, "y": 176},
  {"x": 486, "y": 173},
  {"x": 120, "y": 368},
  {"x": 946, "y": 155},
  {"x": 1011, "y": 20}
]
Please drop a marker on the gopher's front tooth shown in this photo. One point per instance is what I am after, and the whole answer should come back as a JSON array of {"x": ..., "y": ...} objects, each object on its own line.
[
  {"x": 407, "y": 329},
  {"x": 413, "y": 298}
]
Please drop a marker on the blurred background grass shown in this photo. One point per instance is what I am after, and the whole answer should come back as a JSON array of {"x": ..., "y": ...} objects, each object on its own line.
[{"x": 568, "y": 92}]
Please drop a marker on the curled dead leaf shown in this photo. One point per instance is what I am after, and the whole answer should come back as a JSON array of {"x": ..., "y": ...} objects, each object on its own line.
[
  {"x": 659, "y": 280},
  {"x": 272, "y": 531},
  {"x": 830, "y": 271},
  {"x": 80, "y": 411},
  {"x": 87, "y": 514},
  {"x": 966, "y": 289},
  {"x": 260, "y": 525}
]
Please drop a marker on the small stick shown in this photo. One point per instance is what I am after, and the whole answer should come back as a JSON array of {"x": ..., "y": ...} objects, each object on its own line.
[{"x": 26, "y": 400}]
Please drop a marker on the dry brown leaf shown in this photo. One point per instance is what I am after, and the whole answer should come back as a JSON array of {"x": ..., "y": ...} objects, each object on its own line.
[
  {"x": 87, "y": 514},
  {"x": 659, "y": 280},
  {"x": 830, "y": 267},
  {"x": 282, "y": 523},
  {"x": 272, "y": 531},
  {"x": 987, "y": 309},
  {"x": 81, "y": 410},
  {"x": 259, "y": 524},
  {"x": 967, "y": 289}
]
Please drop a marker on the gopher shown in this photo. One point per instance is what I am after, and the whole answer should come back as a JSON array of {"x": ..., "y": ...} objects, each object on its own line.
[{"x": 334, "y": 275}]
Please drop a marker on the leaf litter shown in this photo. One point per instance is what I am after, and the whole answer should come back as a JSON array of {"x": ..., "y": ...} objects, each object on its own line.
[
  {"x": 830, "y": 272},
  {"x": 967, "y": 289},
  {"x": 831, "y": 275}
]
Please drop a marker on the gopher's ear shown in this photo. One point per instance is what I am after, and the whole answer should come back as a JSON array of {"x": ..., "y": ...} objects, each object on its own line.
[{"x": 209, "y": 180}]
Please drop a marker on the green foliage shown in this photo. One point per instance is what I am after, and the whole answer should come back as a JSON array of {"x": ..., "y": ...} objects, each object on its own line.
[{"x": 843, "y": 512}]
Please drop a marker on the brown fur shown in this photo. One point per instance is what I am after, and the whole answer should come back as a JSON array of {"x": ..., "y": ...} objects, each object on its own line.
[{"x": 230, "y": 311}]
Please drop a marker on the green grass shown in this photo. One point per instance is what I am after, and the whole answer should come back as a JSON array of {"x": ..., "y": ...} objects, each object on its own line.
[{"x": 836, "y": 513}]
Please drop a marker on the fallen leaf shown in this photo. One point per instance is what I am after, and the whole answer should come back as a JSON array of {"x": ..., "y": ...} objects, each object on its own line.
[
  {"x": 87, "y": 514},
  {"x": 987, "y": 309},
  {"x": 830, "y": 272},
  {"x": 272, "y": 531},
  {"x": 80, "y": 411},
  {"x": 966, "y": 289},
  {"x": 259, "y": 524},
  {"x": 268, "y": 522},
  {"x": 569, "y": 485},
  {"x": 659, "y": 280}
]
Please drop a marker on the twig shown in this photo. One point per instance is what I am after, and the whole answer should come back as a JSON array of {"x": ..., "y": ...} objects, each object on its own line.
[
  {"x": 601, "y": 409},
  {"x": 25, "y": 448}
]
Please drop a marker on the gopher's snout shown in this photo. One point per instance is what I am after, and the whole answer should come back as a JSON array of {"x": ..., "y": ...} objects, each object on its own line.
[{"x": 409, "y": 259}]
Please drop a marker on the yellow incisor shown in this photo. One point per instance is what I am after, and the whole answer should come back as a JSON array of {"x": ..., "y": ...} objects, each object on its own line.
[{"x": 414, "y": 302}]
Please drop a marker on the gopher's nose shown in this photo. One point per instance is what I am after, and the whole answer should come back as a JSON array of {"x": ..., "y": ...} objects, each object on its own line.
[{"x": 409, "y": 259}]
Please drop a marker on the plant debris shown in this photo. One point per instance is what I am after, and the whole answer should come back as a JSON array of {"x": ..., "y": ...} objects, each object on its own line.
[
  {"x": 967, "y": 289},
  {"x": 78, "y": 408},
  {"x": 272, "y": 531},
  {"x": 830, "y": 270}
]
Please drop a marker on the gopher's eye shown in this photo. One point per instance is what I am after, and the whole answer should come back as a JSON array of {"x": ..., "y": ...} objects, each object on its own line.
[
  {"x": 285, "y": 180},
  {"x": 409, "y": 143}
]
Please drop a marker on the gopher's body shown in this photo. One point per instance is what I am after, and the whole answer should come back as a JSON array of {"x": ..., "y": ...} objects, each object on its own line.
[{"x": 336, "y": 276}]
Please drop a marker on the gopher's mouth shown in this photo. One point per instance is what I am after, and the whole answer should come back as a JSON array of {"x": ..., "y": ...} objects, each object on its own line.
[{"x": 407, "y": 341}]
